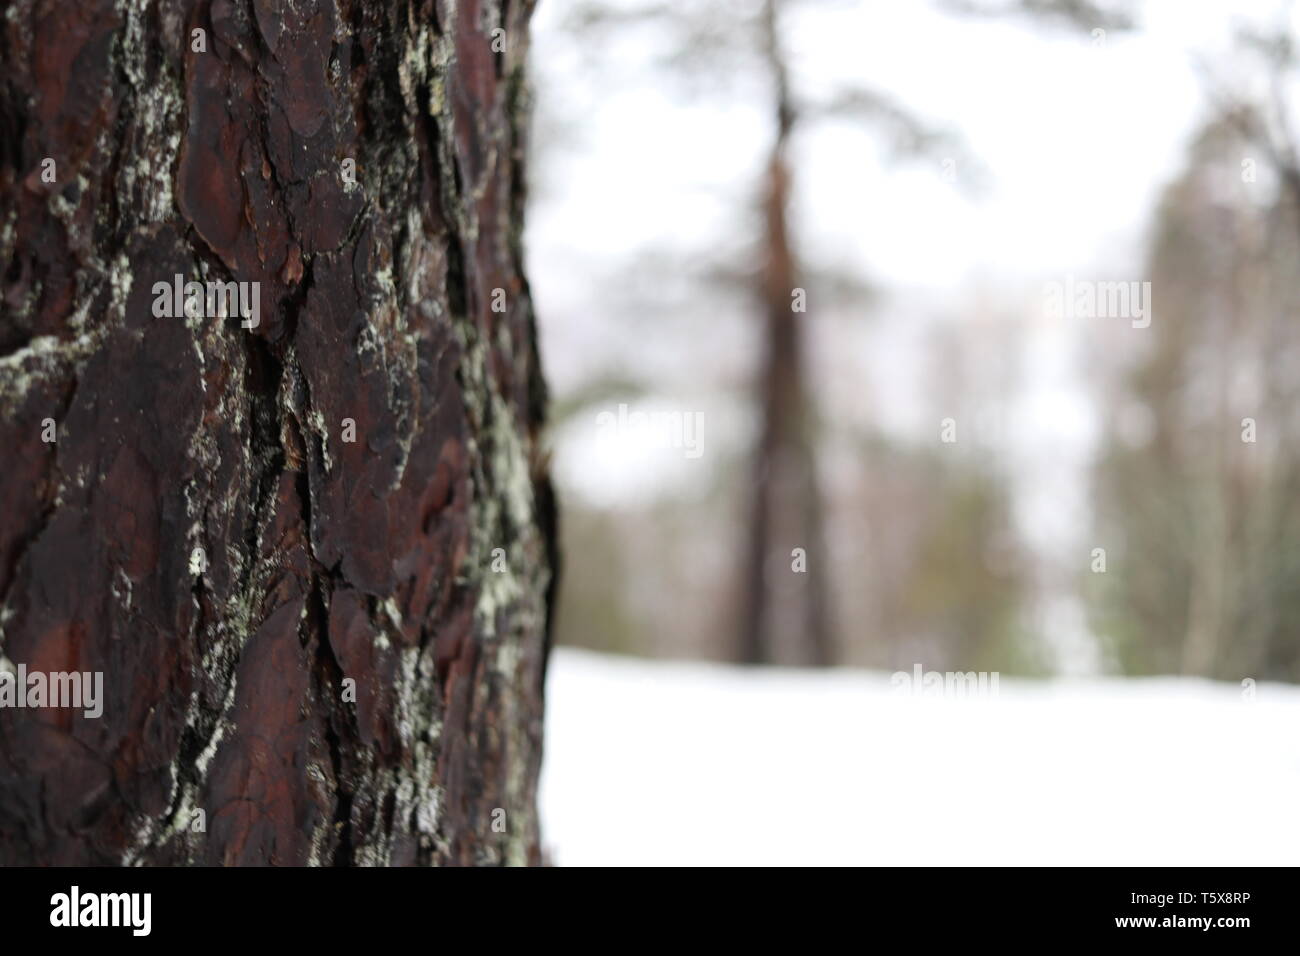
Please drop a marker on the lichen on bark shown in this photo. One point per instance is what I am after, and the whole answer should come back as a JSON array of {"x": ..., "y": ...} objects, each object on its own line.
[{"x": 326, "y": 567}]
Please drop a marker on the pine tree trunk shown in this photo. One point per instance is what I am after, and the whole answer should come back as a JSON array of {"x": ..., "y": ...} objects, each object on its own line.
[
  {"x": 312, "y": 558},
  {"x": 785, "y": 617}
]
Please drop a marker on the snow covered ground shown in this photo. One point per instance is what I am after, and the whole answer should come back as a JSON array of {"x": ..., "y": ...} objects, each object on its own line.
[{"x": 674, "y": 763}]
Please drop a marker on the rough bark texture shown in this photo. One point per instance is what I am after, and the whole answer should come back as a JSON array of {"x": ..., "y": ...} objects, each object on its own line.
[{"x": 326, "y": 561}]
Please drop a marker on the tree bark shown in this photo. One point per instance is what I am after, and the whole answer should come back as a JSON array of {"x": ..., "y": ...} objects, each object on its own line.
[{"x": 314, "y": 650}]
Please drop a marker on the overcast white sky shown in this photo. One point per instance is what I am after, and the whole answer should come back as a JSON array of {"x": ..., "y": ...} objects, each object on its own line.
[{"x": 1076, "y": 138}]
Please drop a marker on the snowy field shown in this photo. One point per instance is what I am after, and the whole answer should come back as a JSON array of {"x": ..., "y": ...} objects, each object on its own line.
[{"x": 653, "y": 763}]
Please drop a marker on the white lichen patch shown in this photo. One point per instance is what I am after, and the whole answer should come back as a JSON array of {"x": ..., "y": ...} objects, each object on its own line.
[
  {"x": 159, "y": 107},
  {"x": 316, "y": 422},
  {"x": 120, "y": 281},
  {"x": 394, "y": 615},
  {"x": 121, "y": 586},
  {"x": 153, "y": 831},
  {"x": 45, "y": 358},
  {"x": 509, "y": 500}
]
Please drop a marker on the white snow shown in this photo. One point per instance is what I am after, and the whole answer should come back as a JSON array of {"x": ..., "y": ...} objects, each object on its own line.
[{"x": 655, "y": 763}]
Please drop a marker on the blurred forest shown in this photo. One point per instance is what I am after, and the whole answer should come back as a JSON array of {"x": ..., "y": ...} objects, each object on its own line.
[
  {"x": 901, "y": 470},
  {"x": 1198, "y": 480}
]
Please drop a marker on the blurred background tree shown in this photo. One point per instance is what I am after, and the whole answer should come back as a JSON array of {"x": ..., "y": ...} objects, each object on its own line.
[
  {"x": 777, "y": 613},
  {"x": 1198, "y": 483}
]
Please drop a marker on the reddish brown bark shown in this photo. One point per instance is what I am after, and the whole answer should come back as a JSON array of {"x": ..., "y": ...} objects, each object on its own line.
[{"x": 327, "y": 561}]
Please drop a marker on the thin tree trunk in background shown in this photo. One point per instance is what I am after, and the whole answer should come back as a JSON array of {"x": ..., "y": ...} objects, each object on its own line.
[
  {"x": 312, "y": 650},
  {"x": 785, "y": 512}
]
